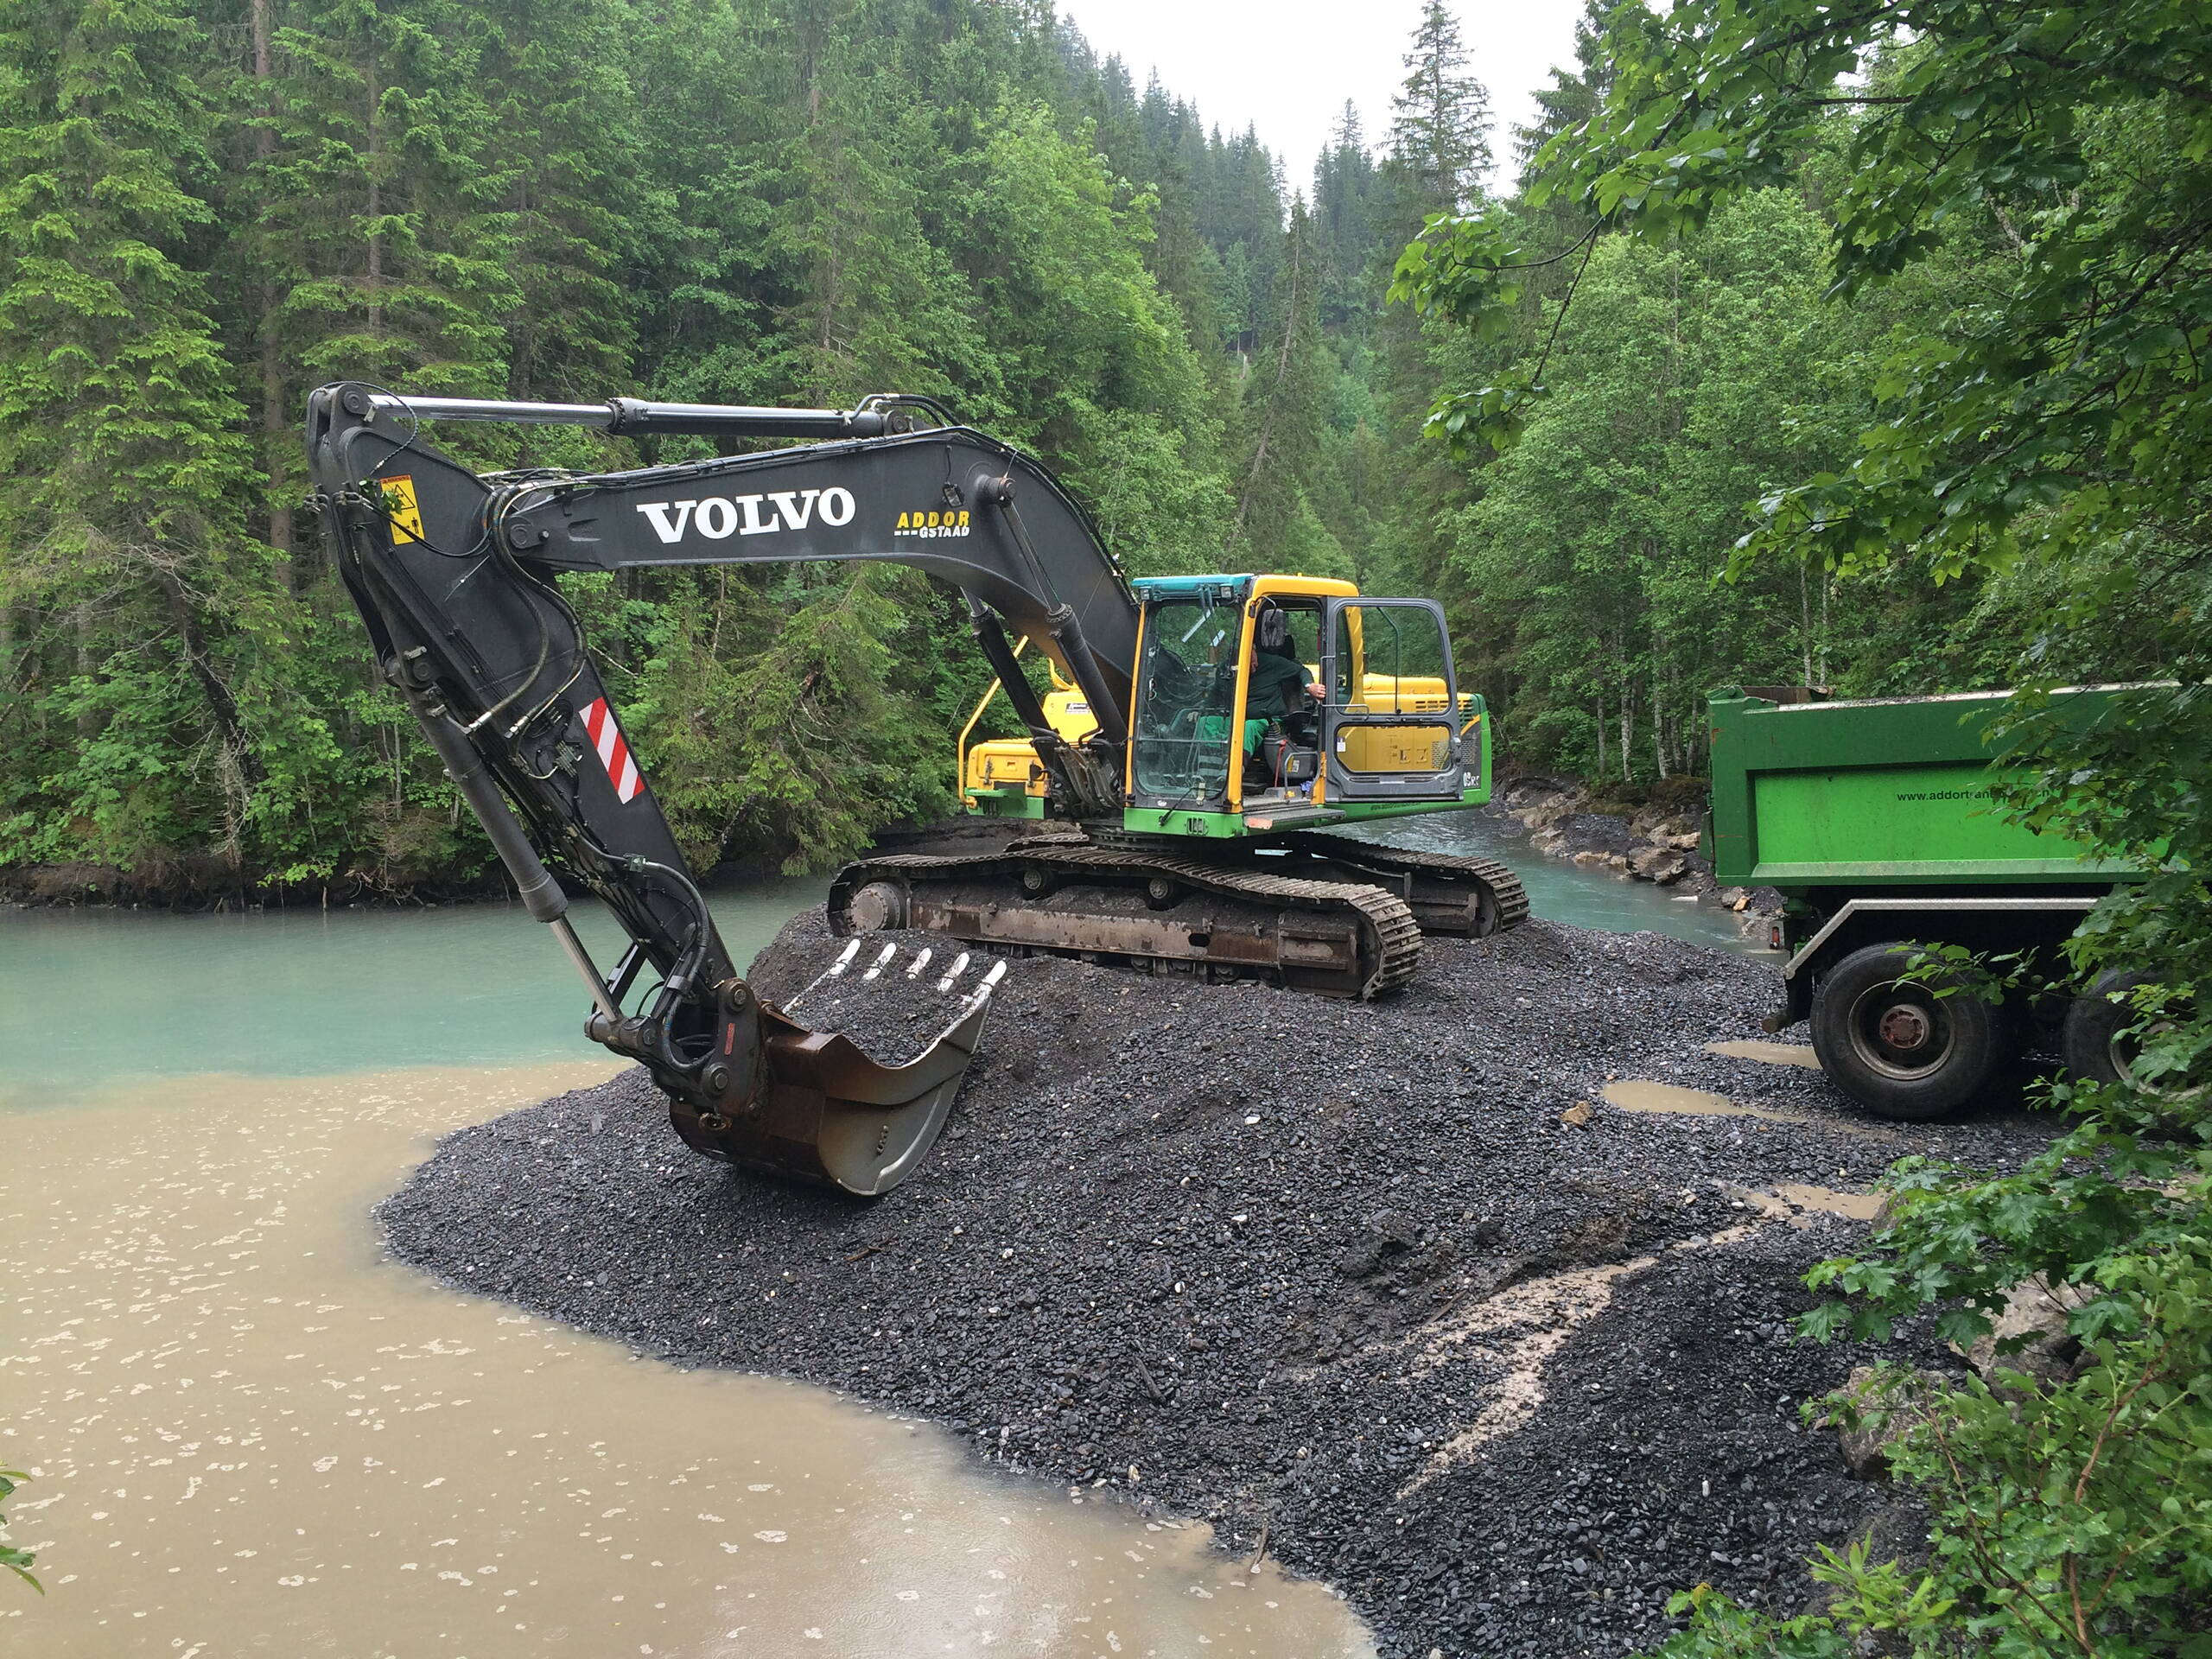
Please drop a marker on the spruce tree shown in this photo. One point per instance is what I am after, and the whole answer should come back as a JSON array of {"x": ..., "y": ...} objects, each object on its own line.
[
  {"x": 1344, "y": 221},
  {"x": 121, "y": 474},
  {"x": 562, "y": 159},
  {"x": 1440, "y": 132},
  {"x": 381, "y": 190},
  {"x": 1285, "y": 410},
  {"x": 1574, "y": 94}
]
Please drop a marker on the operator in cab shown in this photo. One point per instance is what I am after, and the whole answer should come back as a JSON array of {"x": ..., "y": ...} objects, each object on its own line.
[
  {"x": 1281, "y": 704},
  {"x": 1279, "y": 683}
]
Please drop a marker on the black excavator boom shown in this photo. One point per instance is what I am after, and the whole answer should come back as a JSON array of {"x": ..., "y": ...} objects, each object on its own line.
[{"x": 454, "y": 576}]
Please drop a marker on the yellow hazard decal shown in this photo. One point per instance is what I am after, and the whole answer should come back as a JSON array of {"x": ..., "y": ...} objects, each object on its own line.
[{"x": 399, "y": 505}]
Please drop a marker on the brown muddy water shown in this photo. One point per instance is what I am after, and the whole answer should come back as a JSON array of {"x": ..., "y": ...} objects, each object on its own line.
[
  {"x": 251, "y": 1434},
  {"x": 1767, "y": 1053},
  {"x": 1641, "y": 1095}
]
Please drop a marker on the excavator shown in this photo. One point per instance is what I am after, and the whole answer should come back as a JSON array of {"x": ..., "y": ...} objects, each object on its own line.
[{"x": 1203, "y": 737}]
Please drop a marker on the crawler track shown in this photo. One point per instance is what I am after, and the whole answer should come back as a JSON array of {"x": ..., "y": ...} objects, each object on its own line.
[
  {"x": 1448, "y": 893},
  {"x": 1453, "y": 894},
  {"x": 1067, "y": 896}
]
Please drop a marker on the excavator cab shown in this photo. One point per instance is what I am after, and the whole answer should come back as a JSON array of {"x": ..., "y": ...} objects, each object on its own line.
[{"x": 1226, "y": 719}]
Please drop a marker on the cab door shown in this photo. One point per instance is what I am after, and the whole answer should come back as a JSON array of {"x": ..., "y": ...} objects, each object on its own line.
[{"x": 1389, "y": 730}]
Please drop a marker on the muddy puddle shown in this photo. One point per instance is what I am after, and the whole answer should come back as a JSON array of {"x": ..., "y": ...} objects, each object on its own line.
[
  {"x": 251, "y": 1434},
  {"x": 1640, "y": 1095},
  {"x": 1828, "y": 1201},
  {"x": 1767, "y": 1053}
]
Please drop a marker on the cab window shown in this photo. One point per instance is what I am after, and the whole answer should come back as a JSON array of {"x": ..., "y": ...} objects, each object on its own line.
[{"x": 1186, "y": 699}]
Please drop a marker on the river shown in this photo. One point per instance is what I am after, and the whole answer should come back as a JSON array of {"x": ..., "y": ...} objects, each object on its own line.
[{"x": 249, "y": 1433}]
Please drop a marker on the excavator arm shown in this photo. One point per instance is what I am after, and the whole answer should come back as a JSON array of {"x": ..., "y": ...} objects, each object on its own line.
[{"x": 454, "y": 575}]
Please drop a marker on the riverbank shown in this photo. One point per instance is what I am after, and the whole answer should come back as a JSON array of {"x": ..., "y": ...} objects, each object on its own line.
[
  {"x": 1427, "y": 1299},
  {"x": 1651, "y": 833},
  {"x": 212, "y": 885}
]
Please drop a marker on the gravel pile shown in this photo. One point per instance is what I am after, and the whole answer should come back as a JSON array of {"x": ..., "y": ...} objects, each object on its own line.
[
  {"x": 895, "y": 1016},
  {"x": 1389, "y": 1290}
]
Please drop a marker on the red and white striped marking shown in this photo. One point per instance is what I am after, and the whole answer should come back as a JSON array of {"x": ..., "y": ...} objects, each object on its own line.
[{"x": 613, "y": 753}]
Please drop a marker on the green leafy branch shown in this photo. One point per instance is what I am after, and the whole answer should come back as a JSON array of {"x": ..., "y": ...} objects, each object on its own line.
[
  {"x": 18, "y": 1561},
  {"x": 2061, "y": 408}
]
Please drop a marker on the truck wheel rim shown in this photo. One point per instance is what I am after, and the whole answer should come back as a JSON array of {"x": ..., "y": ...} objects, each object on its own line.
[
  {"x": 1900, "y": 1031},
  {"x": 2126, "y": 1048}
]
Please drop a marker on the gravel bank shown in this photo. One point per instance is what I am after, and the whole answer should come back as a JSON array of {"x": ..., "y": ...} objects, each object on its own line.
[{"x": 1338, "y": 1278}]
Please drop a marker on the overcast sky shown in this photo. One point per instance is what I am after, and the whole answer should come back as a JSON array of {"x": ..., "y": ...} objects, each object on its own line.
[{"x": 1288, "y": 66}]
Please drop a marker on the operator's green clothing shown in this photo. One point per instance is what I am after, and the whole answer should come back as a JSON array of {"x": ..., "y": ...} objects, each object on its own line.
[{"x": 1277, "y": 687}]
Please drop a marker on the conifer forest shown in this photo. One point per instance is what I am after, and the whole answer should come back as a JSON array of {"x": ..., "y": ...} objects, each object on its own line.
[{"x": 211, "y": 206}]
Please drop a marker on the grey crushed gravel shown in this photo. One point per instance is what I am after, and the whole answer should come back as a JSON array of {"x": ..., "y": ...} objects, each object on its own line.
[{"x": 1495, "y": 1376}]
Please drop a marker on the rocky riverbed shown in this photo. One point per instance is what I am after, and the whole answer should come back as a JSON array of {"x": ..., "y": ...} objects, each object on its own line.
[
  {"x": 1473, "y": 1302},
  {"x": 1661, "y": 842}
]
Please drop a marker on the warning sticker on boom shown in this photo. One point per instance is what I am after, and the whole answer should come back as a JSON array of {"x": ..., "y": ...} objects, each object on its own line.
[
  {"x": 613, "y": 754},
  {"x": 400, "y": 508}
]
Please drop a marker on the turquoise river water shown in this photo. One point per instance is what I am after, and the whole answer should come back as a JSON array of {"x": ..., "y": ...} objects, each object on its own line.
[{"x": 89, "y": 999}]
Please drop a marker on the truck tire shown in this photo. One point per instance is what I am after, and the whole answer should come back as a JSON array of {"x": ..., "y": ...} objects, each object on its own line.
[
  {"x": 2097, "y": 1041},
  {"x": 1900, "y": 1049}
]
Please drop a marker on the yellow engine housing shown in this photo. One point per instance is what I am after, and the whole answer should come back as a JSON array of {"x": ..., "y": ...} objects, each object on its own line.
[{"x": 1001, "y": 777}]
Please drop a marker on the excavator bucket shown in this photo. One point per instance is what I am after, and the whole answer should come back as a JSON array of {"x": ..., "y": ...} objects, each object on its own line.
[{"x": 825, "y": 1112}]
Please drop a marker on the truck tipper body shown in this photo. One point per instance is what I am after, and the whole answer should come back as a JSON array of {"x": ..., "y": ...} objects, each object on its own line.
[{"x": 1876, "y": 820}]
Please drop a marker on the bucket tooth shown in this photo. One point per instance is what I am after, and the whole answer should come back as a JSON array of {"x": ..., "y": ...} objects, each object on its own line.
[
  {"x": 983, "y": 992},
  {"x": 959, "y": 967},
  {"x": 835, "y": 970},
  {"x": 921, "y": 961},
  {"x": 876, "y": 967}
]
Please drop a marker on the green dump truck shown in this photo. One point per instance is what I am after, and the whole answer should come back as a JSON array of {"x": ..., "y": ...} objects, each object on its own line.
[{"x": 1875, "y": 820}]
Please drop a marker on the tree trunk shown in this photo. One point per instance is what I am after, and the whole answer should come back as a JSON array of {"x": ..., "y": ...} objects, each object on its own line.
[
  {"x": 1827, "y": 584},
  {"x": 375, "y": 283},
  {"x": 276, "y": 433},
  {"x": 88, "y": 723},
  {"x": 1805, "y": 623},
  {"x": 1628, "y": 726},
  {"x": 7, "y": 661},
  {"x": 265, "y": 142},
  {"x": 220, "y": 701},
  {"x": 277, "y": 436},
  {"x": 1275, "y": 393}
]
